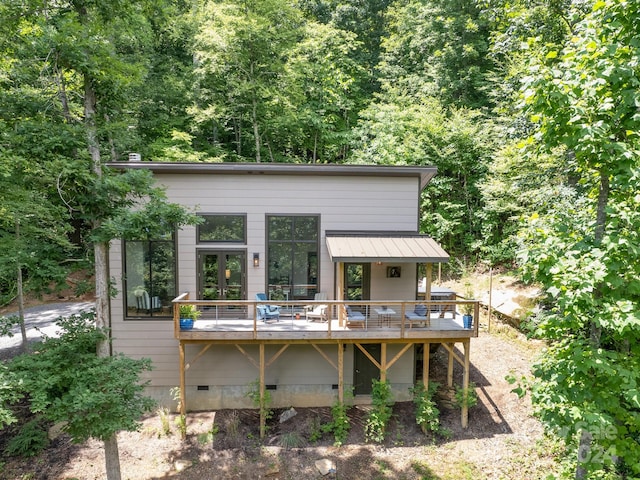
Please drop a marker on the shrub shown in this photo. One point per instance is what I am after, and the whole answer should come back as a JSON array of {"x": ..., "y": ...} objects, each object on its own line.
[
  {"x": 340, "y": 425},
  {"x": 427, "y": 413},
  {"x": 30, "y": 440},
  {"x": 375, "y": 428}
]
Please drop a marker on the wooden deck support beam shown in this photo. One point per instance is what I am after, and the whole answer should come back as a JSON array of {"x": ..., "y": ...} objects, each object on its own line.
[
  {"x": 340, "y": 372},
  {"x": 465, "y": 383},
  {"x": 263, "y": 419},
  {"x": 449, "y": 347},
  {"x": 426, "y": 357},
  {"x": 183, "y": 393}
]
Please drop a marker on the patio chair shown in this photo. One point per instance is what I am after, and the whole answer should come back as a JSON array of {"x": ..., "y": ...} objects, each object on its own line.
[
  {"x": 418, "y": 315},
  {"x": 267, "y": 312},
  {"x": 354, "y": 318},
  {"x": 317, "y": 312},
  {"x": 146, "y": 303}
]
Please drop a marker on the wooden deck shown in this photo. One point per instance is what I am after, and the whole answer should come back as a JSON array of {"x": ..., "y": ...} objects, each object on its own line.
[
  {"x": 223, "y": 322},
  {"x": 384, "y": 322}
]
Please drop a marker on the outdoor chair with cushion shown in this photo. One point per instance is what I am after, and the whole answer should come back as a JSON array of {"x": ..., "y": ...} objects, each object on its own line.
[
  {"x": 267, "y": 312},
  {"x": 318, "y": 312},
  {"x": 354, "y": 317},
  {"x": 418, "y": 315},
  {"x": 146, "y": 303}
]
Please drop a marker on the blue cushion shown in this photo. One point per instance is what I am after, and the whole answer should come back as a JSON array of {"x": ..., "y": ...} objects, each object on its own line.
[{"x": 420, "y": 310}]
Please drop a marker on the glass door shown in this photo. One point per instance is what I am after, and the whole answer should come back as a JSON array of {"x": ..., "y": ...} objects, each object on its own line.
[{"x": 221, "y": 275}]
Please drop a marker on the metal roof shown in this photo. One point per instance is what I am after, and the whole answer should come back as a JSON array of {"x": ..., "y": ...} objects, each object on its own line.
[
  {"x": 424, "y": 174},
  {"x": 385, "y": 248}
]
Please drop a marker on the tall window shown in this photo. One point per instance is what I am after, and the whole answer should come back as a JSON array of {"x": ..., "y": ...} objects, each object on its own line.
[
  {"x": 150, "y": 277},
  {"x": 292, "y": 256}
]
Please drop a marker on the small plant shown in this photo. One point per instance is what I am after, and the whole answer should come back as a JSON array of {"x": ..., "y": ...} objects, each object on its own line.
[
  {"x": 190, "y": 311},
  {"x": 469, "y": 294},
  {"x": 340, "y": 424},
  {"x": 466, "y": 398},
  {"x": 163, "y": 415},
  {"x": 427, "y": 413},
  {"x": 181, "y": 420},
  {"x": 375, "y": 428},
  {"x": 263, "y": 402},
  {"x": 316, "y": 430},
  {"x": 291, "y": 440},
  {"x": 30, "y": 440},
  {"x": 207, "y": 437}
]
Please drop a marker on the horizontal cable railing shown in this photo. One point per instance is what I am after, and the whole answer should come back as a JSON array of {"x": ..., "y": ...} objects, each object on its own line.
[{"x": 391, "y": 318}]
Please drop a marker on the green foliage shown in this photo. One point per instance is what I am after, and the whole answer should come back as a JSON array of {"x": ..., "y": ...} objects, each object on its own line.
[
  {"x": 261, "y": 402},
  {"x": 586, "y": 387},
  {"x": 31, "y": 439},
  {"x": 190, "y": 311},
  {"x": 427, "y": 413},
  {"x": 375, "y": 428},
  {"x": 66, "y": 381},
  {"x": 466, "y": 397},
  {"x": 339, "y": 424},
  {"x": 9, "y": 394}
]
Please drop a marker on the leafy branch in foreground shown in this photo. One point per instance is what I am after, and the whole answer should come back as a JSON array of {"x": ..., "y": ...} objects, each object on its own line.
[{"x": 66, "y": 381}]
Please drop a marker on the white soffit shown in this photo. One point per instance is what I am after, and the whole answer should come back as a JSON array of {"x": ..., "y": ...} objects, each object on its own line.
[{"x": 387, "y": 248}]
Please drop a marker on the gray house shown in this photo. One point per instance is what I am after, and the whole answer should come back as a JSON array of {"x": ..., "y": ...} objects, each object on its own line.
[{"x": 306, "y": 278}]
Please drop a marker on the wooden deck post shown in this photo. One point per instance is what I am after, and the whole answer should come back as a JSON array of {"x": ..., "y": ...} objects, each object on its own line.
[
  {"x": 450, "y": 365},
  {"x": 383, "y": 362},
  {"x": 262, "y": 405},
  {"x": 465, "y": 382},
  {"x": 183, "y": 393},
  {"x": 340, "y": 372},
  {"x": 426, "y": 351}
]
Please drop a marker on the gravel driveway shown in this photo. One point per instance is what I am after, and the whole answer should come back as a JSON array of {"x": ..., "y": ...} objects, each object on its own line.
[{"x": 39, "y": 320}]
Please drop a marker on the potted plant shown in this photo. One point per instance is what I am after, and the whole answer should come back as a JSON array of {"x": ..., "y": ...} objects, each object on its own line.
[
  {"x": 188, "y": 315},
  {"x": 467, "y": 308}
]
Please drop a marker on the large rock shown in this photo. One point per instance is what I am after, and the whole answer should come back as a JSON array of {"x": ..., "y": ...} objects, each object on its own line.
[
  {"x": 288, "y": 415},
  {"x": 326, "y": 466}
]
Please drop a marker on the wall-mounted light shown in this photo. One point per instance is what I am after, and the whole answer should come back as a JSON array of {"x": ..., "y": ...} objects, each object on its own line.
[
  {"x": 256, "y": 259},
  {"x": 227, "y": 273},
  {"x": 378, "y": 263}
]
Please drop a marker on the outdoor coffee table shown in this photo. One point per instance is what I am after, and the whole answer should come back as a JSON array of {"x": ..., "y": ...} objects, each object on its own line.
[{"x": 384, "y": 315}]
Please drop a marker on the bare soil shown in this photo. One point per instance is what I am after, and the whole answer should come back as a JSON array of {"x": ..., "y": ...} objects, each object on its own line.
[{"x": 501, "y": 442}]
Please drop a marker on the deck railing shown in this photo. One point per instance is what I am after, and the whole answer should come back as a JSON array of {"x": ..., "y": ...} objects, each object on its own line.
[{"x": 230, "y": 319}]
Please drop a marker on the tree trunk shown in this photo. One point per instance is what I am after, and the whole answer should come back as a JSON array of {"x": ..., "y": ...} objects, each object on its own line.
[
  {"x": 256, "y": 130},
  {"x": 595, "y": 331},
  {"x": 103, "y": 349},
  {"x": 112, "y": 458},
  {"x": 23, "y": 329}
]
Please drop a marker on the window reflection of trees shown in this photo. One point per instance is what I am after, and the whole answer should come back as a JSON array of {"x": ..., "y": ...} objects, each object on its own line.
[{"x": 293, "y": 256}]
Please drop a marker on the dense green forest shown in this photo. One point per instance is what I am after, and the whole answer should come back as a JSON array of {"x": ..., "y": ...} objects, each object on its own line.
[{"x": 528, "y": 108}]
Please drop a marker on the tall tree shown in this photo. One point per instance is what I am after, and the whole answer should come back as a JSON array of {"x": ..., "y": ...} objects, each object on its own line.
[
  {"x": 583, "y": 99},
  {"x": 86, "y": 56},
  {"x": 240, "y": 52},
  {"x": 437, "y": 48},
  {"x": 325, "y": 80}
]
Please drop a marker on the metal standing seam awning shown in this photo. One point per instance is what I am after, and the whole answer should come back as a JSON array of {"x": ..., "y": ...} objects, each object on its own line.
[{"x": 384, "y": 248}]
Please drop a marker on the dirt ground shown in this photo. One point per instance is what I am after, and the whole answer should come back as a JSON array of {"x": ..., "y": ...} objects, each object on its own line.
[{"x": 501, "y": 442}]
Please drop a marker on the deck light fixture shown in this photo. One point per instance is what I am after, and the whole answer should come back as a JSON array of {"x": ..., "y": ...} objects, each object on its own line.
[{"x": 256, "y": 259}]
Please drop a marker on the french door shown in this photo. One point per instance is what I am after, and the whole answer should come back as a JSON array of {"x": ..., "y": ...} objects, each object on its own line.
[{"x": 222, "y": 274}]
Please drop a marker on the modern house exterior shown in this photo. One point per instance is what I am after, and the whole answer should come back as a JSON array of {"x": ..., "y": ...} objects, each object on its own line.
[{"x": 335, "y": 250}]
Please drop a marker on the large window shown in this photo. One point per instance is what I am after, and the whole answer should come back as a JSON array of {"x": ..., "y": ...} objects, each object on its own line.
[
  {"x": 222, "y": 228},
  {"x": 292, "y": 256},
  {"x": 150, "y": 278}
]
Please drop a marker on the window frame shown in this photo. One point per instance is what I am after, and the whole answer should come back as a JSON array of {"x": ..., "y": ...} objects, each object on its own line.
[
  {"x": 242, "y": 241},
  {"x": 161, "y": 315},
  {"x": 291, "y": 241}
]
